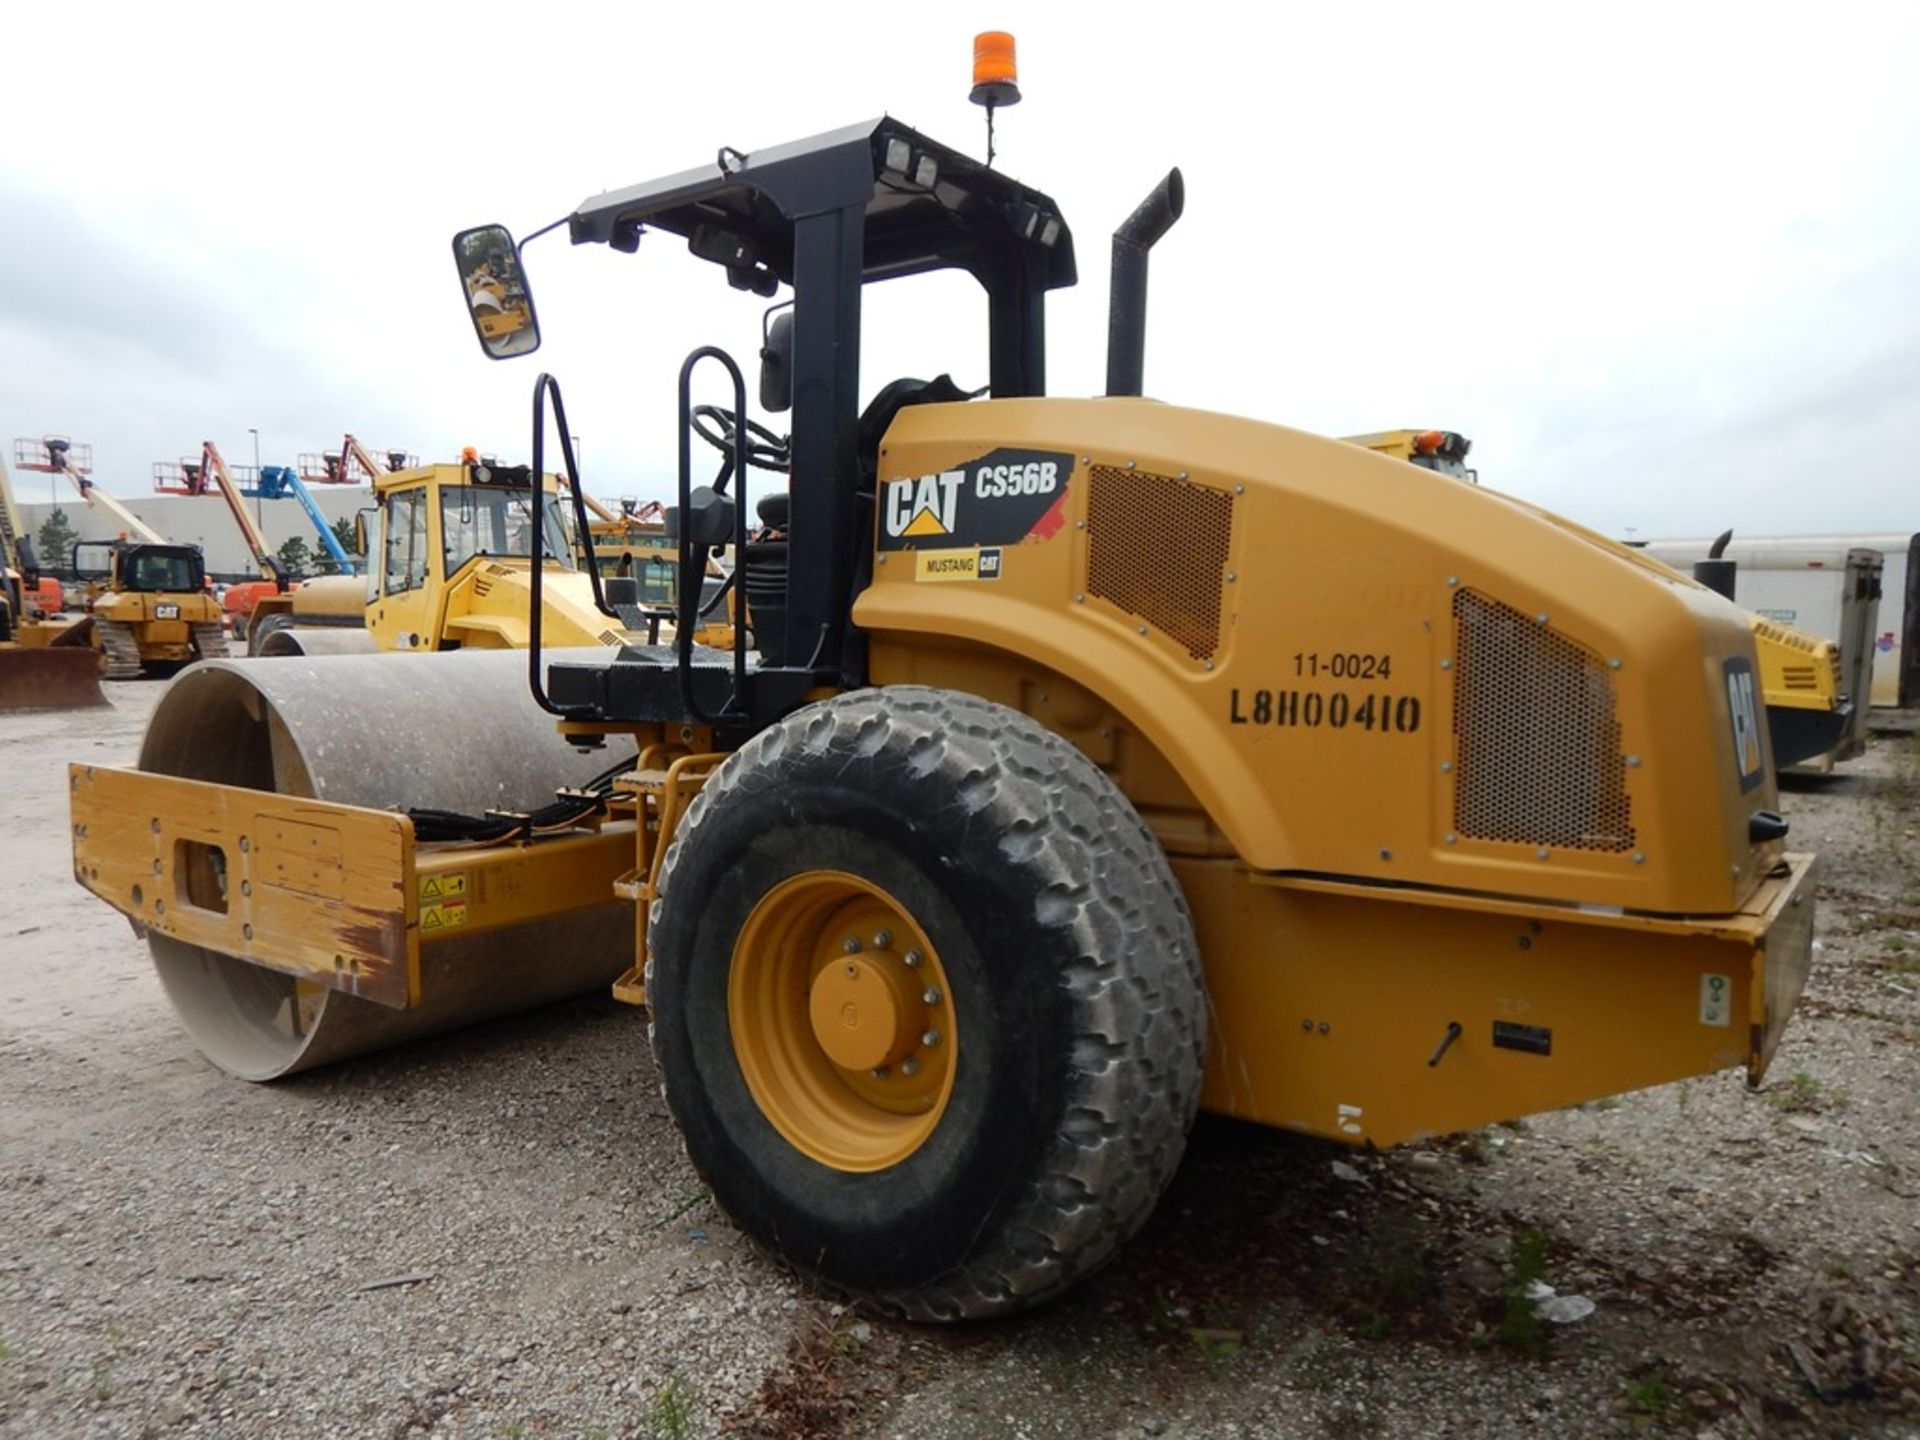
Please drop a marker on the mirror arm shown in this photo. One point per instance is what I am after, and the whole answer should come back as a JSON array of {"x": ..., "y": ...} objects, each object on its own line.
[{"x": 520, "y": 245}]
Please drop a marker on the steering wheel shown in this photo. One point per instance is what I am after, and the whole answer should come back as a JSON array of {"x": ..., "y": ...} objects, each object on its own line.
[{"x": 764, "y": 449}]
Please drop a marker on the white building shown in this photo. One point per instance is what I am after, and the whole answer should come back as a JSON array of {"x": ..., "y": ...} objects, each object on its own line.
[{"x": 202, "y": 520}]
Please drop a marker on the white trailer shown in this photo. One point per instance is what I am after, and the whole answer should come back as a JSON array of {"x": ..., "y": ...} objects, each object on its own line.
[{"x": 1781, "y": 576}]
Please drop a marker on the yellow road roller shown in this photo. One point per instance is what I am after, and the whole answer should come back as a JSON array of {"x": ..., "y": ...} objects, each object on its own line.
[{"x": 1081, "y": 763}]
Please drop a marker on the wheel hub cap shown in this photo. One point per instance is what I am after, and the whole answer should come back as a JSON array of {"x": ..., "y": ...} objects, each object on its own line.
[
  {"x": 865, "y": 1014},
  {"x": 842, "y": 1020}
]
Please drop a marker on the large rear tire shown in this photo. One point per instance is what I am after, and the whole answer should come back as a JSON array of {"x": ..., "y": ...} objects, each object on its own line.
[
  {"x": 258, "y": 634},
  {"x": 927, "y": 1002}
]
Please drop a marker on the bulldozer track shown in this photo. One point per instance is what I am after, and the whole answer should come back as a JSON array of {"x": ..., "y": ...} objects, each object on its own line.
[
  {"x": 210, "y": 641},
  {"x": 122, "y": 650}
]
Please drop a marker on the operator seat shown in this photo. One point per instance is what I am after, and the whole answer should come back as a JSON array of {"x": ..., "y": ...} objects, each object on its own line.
[
  {"x": 879, "y": 416},
  {"x": 763, "y": 578},
  {"x": 763, "y": 568}
]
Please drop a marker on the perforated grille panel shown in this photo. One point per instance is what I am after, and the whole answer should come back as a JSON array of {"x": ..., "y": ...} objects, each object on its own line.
[
  {"x": 1157, "y": 547},
  {"x": 1536, "y": 735}
]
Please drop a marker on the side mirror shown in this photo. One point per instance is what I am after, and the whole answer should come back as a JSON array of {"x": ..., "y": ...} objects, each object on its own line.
[
  {"x": 498, "y": 300},
  {"x": 776, "y": 363},
  {"x": 360, "y": 546},
  {"x": 85, "y": 572}
]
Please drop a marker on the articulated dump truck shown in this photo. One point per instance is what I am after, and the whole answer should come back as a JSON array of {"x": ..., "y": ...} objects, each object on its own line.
[{"x": 1081, "y": 763}]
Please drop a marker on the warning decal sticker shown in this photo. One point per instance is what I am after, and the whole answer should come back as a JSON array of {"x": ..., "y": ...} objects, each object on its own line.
[
  {"x": 443, "y": 902},
  {"x": 1716, "y": 1000}
]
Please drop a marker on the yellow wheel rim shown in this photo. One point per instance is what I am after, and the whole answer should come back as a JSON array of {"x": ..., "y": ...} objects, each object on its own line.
[{"x": 842, "y": 1021}]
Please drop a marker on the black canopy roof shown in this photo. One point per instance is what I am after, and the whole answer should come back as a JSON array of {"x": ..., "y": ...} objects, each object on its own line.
[{"x": 741, "y": 209}]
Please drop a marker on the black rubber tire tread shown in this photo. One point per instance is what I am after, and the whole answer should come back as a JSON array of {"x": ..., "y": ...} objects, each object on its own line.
[
  {"x": 258, "y": 635},
  {"x": 1101, "y": 905}
]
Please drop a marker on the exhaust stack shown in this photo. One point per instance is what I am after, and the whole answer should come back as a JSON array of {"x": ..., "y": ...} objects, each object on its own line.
[
  {"x": 1127, "y": 310},
  {"x": 1715, "y": 572}
]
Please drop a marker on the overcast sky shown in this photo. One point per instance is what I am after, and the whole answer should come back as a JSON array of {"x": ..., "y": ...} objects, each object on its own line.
[{"x": 1661, "y": 264}]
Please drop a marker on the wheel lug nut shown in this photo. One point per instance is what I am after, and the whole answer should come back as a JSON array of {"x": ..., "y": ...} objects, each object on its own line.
[
  {"x": 930, "y": 1039},
  {"x": 879, "y": 1072},
  {"x": 882, "y": 939},
  {"x": 909, "y": 1066},
  {"x": 932, "y": 997},
  {"x": 851, "y": 945},
  {"x": 911, "y": 959}
]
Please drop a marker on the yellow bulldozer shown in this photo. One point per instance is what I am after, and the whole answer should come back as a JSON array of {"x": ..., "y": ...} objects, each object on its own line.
[
  {"x": 149, "y": 605},
  {"x": 1082, "y": 763},
  {"x": 47, "y": 661},
  {"x": 149, "y": 610}
]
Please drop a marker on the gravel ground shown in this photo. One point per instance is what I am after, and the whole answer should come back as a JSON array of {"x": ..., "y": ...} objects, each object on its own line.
[{"x": 495, "y": 1234}]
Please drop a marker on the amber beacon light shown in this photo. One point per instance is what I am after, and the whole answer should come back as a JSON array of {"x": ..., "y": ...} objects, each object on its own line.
[{"x": 996, "y": 76}]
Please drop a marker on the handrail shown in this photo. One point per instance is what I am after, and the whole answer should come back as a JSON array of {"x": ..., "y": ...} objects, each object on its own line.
[
  {"x": 687, "y": 610},
  {"x": 537, "y": 486}
]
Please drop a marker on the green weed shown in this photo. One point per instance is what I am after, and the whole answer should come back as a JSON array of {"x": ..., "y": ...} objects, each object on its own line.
[
  {"x": 1216, "y": 1345},
  {"x": 1520, "y": 1328},
  {"x": 1802, "y": 1094},
  {"x": 671, "y": 1415},
  {"x": 1651, "y": 1398}
]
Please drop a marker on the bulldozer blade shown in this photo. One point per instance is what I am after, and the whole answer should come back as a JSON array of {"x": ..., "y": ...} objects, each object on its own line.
[{"x": 55, "y": 677}]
